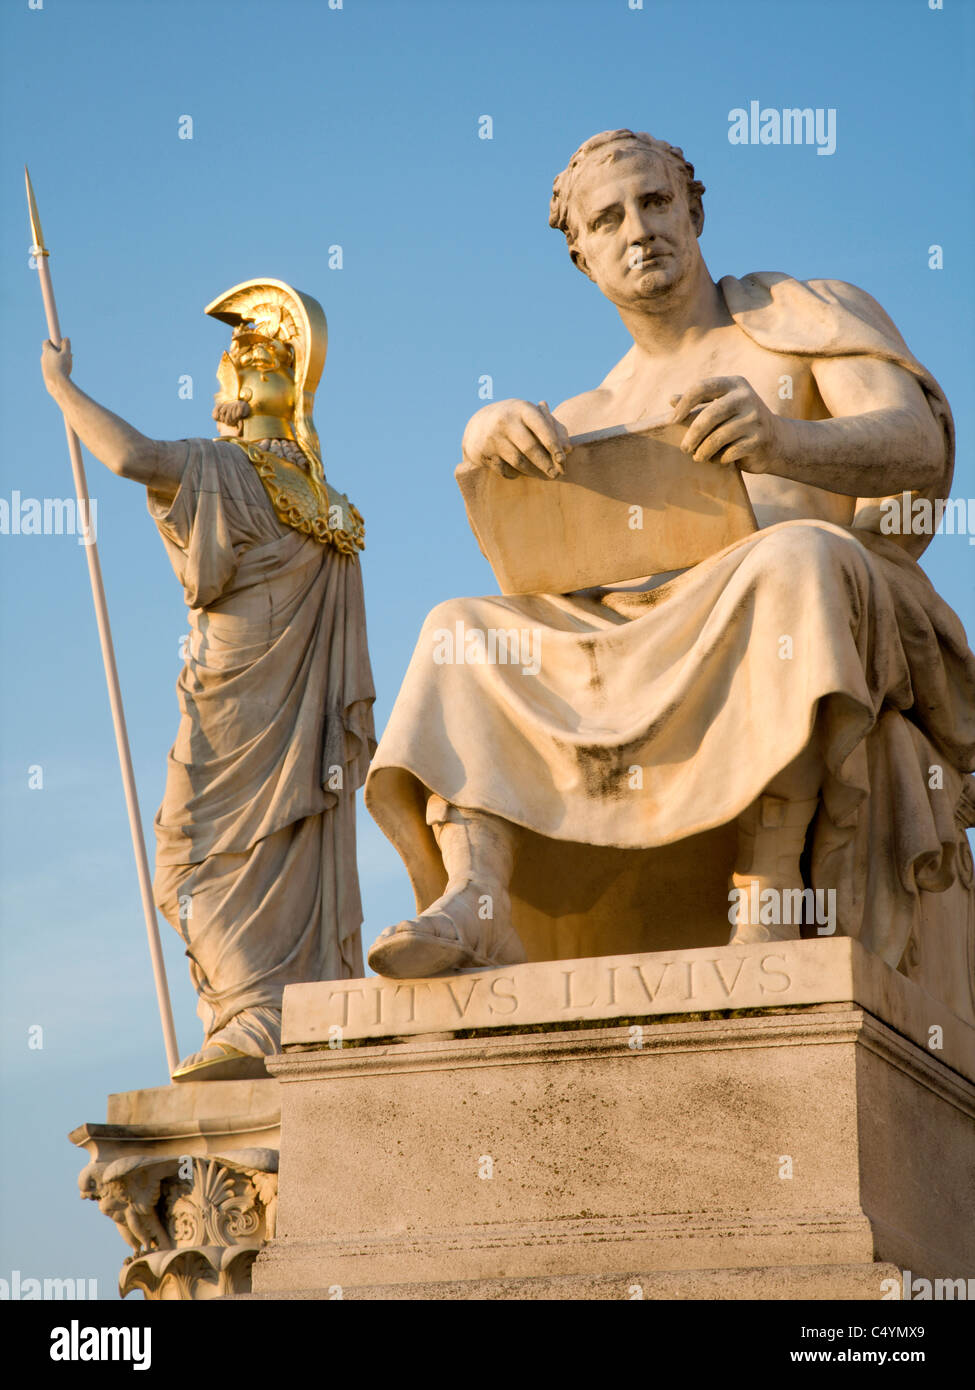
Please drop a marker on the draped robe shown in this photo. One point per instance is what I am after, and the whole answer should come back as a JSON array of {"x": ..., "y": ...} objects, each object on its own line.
[
  {"x": 651, "y": 719},
  {"x": 255, "y": 837}
]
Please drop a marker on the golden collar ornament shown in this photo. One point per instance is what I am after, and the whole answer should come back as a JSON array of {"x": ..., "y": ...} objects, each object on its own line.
[{"x": 307, "y": 503}]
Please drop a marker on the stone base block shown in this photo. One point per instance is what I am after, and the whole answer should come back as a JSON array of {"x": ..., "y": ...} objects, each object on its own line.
[
  {"x": 195, "y": 1117},
  {"x": 837, "y": 1282},
  {"x": 786, "y": 1148}
]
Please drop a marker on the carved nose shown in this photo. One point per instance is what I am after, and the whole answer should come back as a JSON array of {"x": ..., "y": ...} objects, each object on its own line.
[{"x": 639, "y": 230}]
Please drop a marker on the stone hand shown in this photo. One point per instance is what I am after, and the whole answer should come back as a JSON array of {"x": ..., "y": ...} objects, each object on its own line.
[
  {"x": 732, "y": 425},
  {"x": 516, "y": 437},
  {"x": 56, "y": 364}
]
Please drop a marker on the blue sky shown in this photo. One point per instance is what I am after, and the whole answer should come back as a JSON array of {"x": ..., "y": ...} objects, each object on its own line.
[{"x": 359, "y": 127}]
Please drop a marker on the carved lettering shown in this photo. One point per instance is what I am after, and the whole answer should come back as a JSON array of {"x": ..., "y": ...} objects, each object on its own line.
[
  {"x": 412, "y": 993},
  {"x": 720, "y": 973},
  {"x": 571, "y": 1003},
  {"x": 509, "y": 998},
  {"x": 573, "y": 989},
  {"x": 345, "y": 995},
  {"x": 652, "y": 993},
  {"x": 461, "y": 1008},
  {"x": 779, "y": 974},
  {"x": 612, "y": 984}
]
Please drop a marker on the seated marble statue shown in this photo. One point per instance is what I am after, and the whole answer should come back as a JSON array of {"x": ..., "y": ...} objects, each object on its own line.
[{"x": 794, "y": 712}]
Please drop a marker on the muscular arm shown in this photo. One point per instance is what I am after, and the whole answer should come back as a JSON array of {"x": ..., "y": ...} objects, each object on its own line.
[
  {"x": 882, "y": 437},
  {"x": 155, "y": 463}
]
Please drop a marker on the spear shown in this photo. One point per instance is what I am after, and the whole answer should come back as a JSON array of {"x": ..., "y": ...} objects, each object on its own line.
[{"x": 42, "y": 255}]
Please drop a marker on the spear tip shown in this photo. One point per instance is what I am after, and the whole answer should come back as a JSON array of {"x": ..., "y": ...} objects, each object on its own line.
[{"x": 38, "y": 248}]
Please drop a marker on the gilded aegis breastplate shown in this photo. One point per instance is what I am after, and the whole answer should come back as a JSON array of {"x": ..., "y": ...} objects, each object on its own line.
[{"x": 302, "y": 500}]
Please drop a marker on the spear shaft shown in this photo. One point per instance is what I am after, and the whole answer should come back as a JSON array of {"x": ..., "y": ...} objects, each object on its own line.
[{"x": 41, "y": 255}]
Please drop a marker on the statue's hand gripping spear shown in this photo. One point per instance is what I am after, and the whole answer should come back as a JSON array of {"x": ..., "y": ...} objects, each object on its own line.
[{"x": 42, "y": 256}]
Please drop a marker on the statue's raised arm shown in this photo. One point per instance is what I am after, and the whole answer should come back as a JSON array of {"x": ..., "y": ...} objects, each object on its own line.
[{"x": 117, "y": 444}]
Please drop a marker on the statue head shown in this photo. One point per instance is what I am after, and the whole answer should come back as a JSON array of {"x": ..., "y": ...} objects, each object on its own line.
[
  {"x": 270, "y": 372},
  {"x": 631, "y": 211},
  {"x": 256, "y": 399}
]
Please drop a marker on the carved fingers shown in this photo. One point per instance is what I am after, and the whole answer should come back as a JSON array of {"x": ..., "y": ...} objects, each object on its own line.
[
  {"x": 55, "y": 362},
  {"x": 554, "y": 432},
  {"x": 732, "y": 424},
  {"x": 515, "y": 438}
]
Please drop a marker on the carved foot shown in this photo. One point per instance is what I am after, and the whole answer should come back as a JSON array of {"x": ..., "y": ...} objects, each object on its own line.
[
  {"x": 749, "y": 927},
  {"x": 220, "y": 1062},
  {"x": 448, "y": 936},
  {"x": 767, "y": 877}
]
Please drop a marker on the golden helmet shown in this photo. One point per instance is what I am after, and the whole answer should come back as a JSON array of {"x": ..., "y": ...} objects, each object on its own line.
[{"x": 277, "y": 353}]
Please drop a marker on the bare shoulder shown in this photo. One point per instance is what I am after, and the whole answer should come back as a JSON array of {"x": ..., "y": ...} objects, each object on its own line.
[
  {"x": 584, "y": 412},
  {"x": 592, "y": 410}
]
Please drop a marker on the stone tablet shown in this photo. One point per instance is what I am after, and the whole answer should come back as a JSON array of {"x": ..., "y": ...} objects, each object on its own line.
[{"x": 630, "y": 503}]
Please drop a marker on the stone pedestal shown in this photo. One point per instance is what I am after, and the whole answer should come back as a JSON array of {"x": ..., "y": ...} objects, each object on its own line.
[
  {"x": 188, "y": 1174},
  {"x": 793, "y": 1120}
]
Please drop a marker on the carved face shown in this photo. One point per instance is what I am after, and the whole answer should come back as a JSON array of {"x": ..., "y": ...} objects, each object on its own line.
[
  {"x": 268, "y": 391},
  {"x": 634, "y": 233},
  {"x": 260, "y": 374}
]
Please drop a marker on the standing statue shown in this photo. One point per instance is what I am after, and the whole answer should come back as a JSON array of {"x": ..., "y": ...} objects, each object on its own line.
[
  {"x": 795, "y": 711},
  {"x": 255, "y": 838}
]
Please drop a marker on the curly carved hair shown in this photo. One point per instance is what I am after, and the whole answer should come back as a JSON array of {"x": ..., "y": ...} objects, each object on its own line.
[{"x": 564, "y": 185}]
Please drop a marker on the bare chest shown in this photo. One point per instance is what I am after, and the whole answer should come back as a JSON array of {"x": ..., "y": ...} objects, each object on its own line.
[{"x": 643, "y": 386}]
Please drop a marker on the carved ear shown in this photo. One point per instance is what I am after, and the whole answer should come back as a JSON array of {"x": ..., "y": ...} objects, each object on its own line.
[{"x": 579, "y": 261}]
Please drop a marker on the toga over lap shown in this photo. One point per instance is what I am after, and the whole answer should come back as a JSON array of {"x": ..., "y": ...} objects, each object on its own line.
[{"x": 657, "y": 716}]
